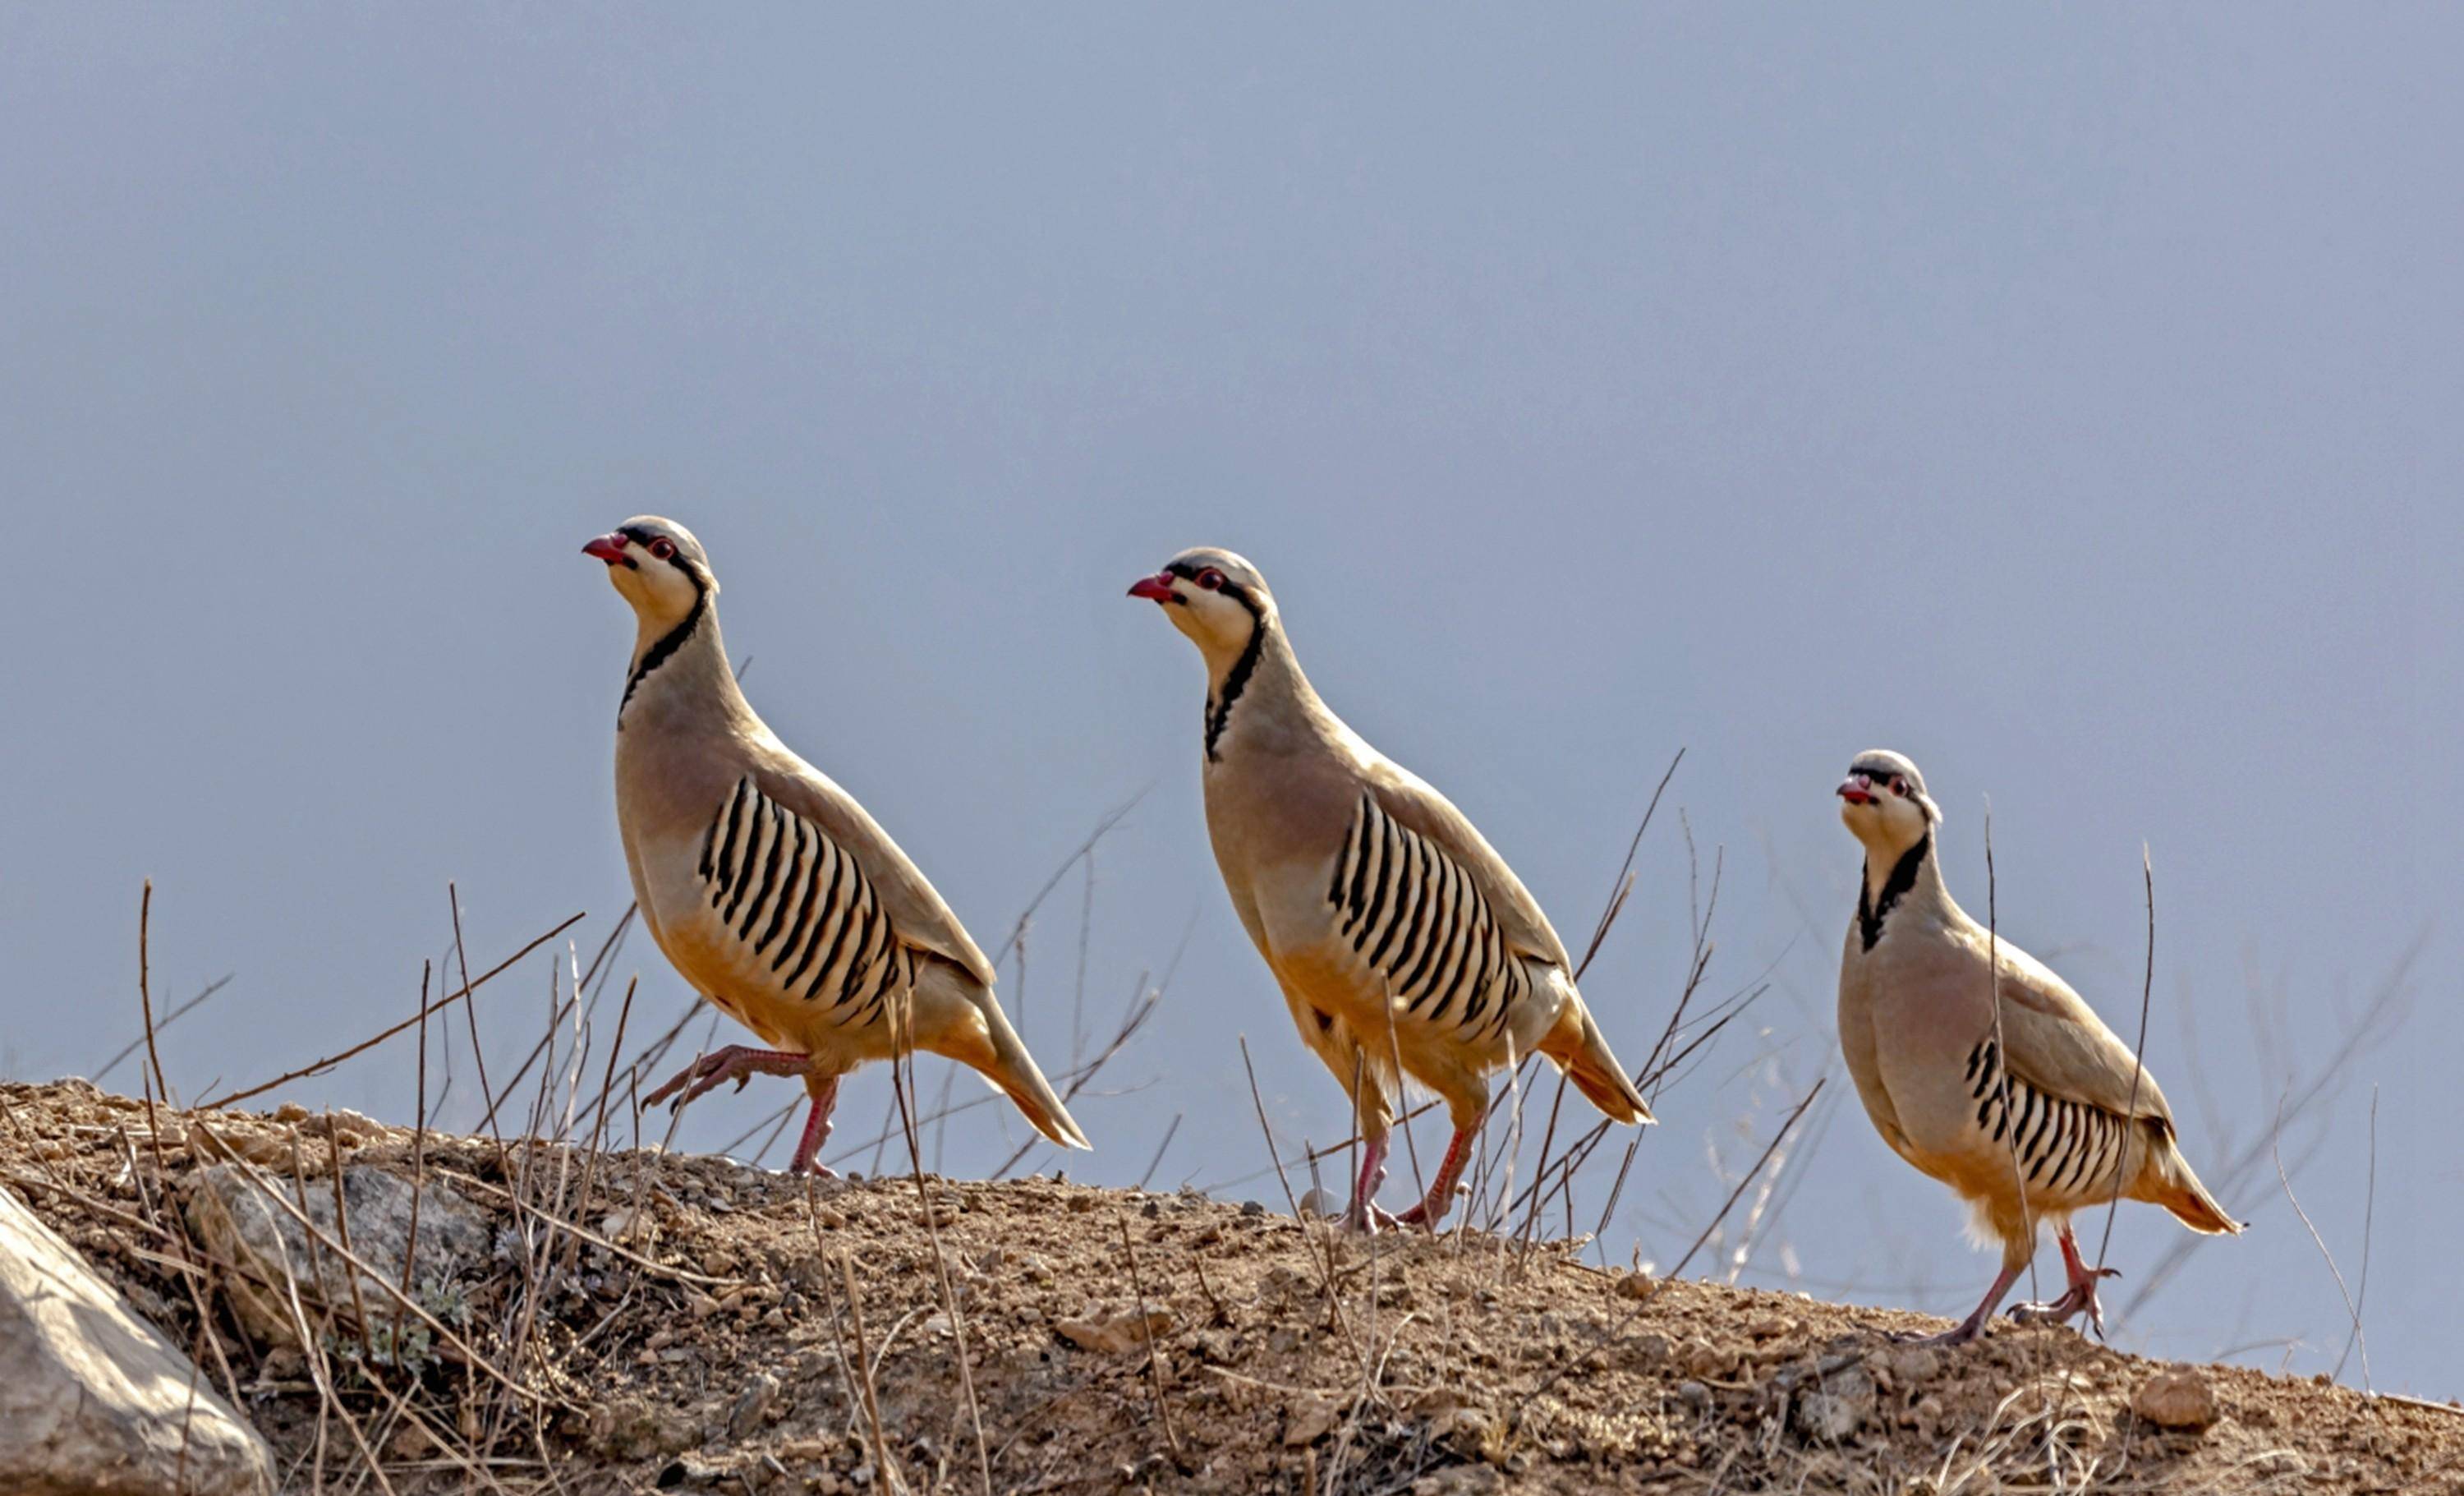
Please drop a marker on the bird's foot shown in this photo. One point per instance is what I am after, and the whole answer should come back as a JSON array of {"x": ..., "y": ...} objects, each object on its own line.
[
  {"x": 1367, "y": 1217},
  {"x": 2079, "y": 1299},
  {"x": 1428, "y": 1215},
  {"x": 735, "y": 1063}
]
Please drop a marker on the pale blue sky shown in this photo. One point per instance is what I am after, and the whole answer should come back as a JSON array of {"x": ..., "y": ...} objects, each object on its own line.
[{"x": 2064, "y": 396}]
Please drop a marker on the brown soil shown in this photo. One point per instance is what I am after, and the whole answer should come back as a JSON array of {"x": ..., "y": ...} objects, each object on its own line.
[{"x": 714, "y": 1350}]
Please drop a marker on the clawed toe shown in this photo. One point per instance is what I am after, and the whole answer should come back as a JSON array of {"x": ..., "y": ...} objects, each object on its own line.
[
  {"x": 668, "y": 1088},
  {"x": 2080, "y": 1300},
  {"x": 1371, "y": 1220},
  {"x": 712, "y": 1070},
  {"x": 1422, "y": 1216}
]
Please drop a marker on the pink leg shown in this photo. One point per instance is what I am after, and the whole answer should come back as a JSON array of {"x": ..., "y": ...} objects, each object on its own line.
[
  {"x": 1442, "y": 1190},
  {"x": 735, "y": 1063},
  {"x": 1364, "y": 1216},
  {"x": 1969, "y": 1329},
  {"x": 2081, "y": 1296},
  {"x": 817, "y": 1129}
]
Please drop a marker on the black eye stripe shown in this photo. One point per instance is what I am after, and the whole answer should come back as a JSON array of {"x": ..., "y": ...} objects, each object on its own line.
[
  {"x": 644, "y": 538},
  {"x": 1193, "y": 574}
]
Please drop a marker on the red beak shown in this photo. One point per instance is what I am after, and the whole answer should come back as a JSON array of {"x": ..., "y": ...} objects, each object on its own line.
[
  {"x": 1158, "y": 587},
  {"x": 609, "y": 548},
  {"x": 1855, "y": 791}
]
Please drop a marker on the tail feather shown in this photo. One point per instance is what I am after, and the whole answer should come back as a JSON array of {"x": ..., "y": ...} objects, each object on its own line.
[
  {"x": 1581, "y": 1050},
  {"x": 2177, "y": 1188},
  {"x": 1014, "y": 1070}
]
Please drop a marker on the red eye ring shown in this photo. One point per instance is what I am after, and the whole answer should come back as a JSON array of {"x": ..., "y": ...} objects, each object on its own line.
[
  {"x": 1210, "y": 579},
  {"x": 663, "y": 548},
  {"x": 1899, "y": 786}
]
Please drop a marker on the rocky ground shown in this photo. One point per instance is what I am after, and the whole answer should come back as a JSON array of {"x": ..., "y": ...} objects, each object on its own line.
[{"x": 634, "y": 1321}]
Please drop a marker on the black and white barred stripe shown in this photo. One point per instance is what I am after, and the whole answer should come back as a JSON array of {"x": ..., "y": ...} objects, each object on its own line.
[
  {"x": 791, "y": 894},
  {"x": 1415, "y": 917},
  {"x": 2067, "y": 1149}
]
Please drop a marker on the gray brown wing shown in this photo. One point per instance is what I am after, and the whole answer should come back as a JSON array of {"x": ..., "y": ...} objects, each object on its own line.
[
  {"x": 1417, "y": 805},
  {"x": 2057, "y": 1042},
  {"x": 1417, "y": 917},
  {"x": 923, "y": 917},
  {"x": 802, "y": 916},
  {"x": 2064, "y": 1147}
]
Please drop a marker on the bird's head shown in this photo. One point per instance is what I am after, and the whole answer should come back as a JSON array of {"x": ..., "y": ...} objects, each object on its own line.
[
  {"x": 658, "y": 566},
  {"x": 1215, "y": 597},
  {"x": 1884, "y": 801}
]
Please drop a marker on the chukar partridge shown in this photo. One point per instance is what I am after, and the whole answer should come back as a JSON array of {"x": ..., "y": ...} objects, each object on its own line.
[
  {"x": 1400, "y": 938},
  {"x": 767, "y": 886},
  {"x": 2047, "y": 1114}
]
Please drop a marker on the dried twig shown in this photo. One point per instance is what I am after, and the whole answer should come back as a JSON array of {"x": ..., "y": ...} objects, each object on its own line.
[
  {"x": 435, "y": 1327},
  {"x": 864, "y": 1363},
  {"x": 557, "y": 1012},
  {"x": 1659, "y": 1285},
  {"x": 2001, "y": 1050},
  {"x": 902, "y": 1072},
  {"x": 1623, "y": 883},
  {"x": 1156, "y": 1162},
  {"x": 469, "y": 986},
  {"x": 598, "y": 1119},
  {"x": 479, "y": 1051},
  {"x": 2378, "y": 1018},
  {"x": 145, "y": 1001},
  {"x": 2370, "y": 1212},
  {"x": 1325, "y": 1264},
  {"x": 2138, "y": 1055},
  {"x": 2352, "y": 1309},
  {"x": 1145, "y": 1333},
  {"x": 104, "y": 1071}
]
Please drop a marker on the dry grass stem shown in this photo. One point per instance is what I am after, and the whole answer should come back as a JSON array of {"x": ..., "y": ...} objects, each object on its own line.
[
  {"x": 2352, "y": 1309},
  {"x": 1146, "y": 1334},
  {"x": 2138, "y": 1052},
  {"x": 469, "y": 986}
]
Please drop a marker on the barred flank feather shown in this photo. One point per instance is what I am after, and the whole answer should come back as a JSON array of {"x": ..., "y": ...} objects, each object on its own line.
[
  {"x": 1415, "y": 917},
  {"x": 789, "y": 892}
]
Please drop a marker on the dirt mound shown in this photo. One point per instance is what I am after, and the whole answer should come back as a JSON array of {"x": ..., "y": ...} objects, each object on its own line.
[{"x": 638, "y": 1321}]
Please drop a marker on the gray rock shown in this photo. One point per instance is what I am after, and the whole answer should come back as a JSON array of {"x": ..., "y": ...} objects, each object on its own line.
[
  {"x": 2178, "y": 1396},
  {"x": 1913, "y": 1365},
  {"x": 236, "y": 1223},
  {"x": 635, "y": 1428},
  {"x": 752, "y": 1405},
  {"x": 1836, "y": 1406},
  {"x": 94, "y": 1402}
]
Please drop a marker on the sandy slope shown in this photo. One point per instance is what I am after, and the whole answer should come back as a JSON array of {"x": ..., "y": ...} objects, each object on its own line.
[{"x": 715, "y": 1348}]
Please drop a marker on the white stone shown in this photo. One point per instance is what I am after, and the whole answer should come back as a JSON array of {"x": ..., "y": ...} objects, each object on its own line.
[{"x": 94, "y": 1402}]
